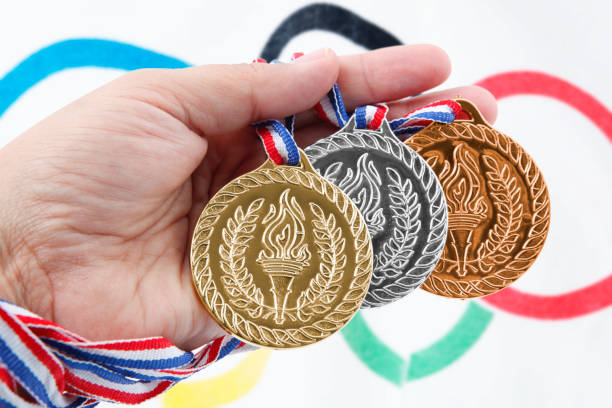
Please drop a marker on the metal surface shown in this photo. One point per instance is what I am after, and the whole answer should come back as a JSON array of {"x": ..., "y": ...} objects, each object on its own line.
[
  {"x": 280, "y": 257},
  {"x": 400, "y": 199},
  {"x": 498, "y": 206}
]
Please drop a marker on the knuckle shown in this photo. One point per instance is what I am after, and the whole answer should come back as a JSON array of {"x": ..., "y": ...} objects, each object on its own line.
[
  {"x": 243, "y": 81},
  {"x": 252, "y": 78}
]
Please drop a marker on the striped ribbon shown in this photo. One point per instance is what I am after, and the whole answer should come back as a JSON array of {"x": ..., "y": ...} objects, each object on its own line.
[
  {"x": 278, "y": 141},
  {"x": 441, "y": 111},
  {"x": 277, "y": 137},
  {"x": 331, "y": 109},
  {"x": 282, "y": 149},
  {"x": 58, "y": 368},
  {"x": 370, "y": 116}
]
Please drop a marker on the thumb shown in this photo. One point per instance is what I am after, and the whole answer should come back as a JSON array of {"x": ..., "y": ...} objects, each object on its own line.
[{"x": 217, "y": 99}]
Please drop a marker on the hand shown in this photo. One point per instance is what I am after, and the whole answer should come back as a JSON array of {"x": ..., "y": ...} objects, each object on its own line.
[{"x": 98, "y": 201}]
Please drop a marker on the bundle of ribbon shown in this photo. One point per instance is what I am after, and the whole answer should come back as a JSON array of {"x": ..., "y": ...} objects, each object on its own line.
[{"x": 43, "y": 364}]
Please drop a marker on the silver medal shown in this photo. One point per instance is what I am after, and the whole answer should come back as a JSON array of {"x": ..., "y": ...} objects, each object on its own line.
[{"x": 400, "y": 199}]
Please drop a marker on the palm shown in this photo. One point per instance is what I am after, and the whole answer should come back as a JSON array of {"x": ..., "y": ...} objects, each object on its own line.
[
  {"x": 115, "y": 182},
  {"x": 125, "y": 221}
]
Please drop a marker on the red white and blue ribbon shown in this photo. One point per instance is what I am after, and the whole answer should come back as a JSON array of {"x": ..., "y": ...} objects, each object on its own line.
[
  {"x": 331, "y": 108},
  {"x": 442, "y": 111},
  {"x": 278, "y": 141},
  {"x": 277, "y": 137},
  {"x": 370, "y": 116},
  {"x": 58, "y": 368},
  {"x": 282, "y": 149}
]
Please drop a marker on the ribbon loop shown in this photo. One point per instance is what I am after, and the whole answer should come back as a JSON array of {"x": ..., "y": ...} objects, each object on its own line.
[
  {"x": 331, "y": 108},
  {"x": 276, "y": 137},
  {"x": 370, "y": 116},
  {"x": 278, "y": 141},
  {"x": 444, "y": 111}
]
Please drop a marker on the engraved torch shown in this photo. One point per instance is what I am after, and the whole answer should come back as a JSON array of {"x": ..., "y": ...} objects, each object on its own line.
[
  {"x": 466, "y": 205},
  {"x": 285, "y": 253}
]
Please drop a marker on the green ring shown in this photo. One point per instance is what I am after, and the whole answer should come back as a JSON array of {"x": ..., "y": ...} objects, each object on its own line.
[{"x": 383, "y": 361}]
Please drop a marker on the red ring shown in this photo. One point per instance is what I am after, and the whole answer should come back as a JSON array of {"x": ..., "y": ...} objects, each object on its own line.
[{"x": 599, "y": 294}]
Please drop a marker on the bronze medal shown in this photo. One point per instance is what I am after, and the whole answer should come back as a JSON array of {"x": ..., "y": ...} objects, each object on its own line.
[
  {"x": 498, "y": 206},
  {"x": 281, "y": 257}
]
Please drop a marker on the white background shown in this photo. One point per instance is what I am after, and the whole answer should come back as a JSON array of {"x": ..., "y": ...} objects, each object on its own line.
[{"x": 518, "y": 361}]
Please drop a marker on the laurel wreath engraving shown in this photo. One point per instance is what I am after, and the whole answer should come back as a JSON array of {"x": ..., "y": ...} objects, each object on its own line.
[
  {"x": 400, "y": 245},
  {"x": 324, "y": 288},
  {"x": 226, "y": 314},
  {"x": 538, "y": 194},
  {"x": 503, "y": 237},
  {"x": 394, "y": 255},
  {"x": 237, "y": 279}
]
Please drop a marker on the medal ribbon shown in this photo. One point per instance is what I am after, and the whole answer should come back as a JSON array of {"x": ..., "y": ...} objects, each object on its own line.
[
  {"x": 277, "y": 137},
  {"x": 281, "y": 147},
  {"x": 61, "y": 369},
  {"x": 278, "y": 141},
  {"x": 331, "y": 109},
  {"x": 370, "y": 116},
  {"x": 445, "y": 111}
]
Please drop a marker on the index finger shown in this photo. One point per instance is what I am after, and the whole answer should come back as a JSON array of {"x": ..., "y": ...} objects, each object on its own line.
[{"x": 391, "y": 73}]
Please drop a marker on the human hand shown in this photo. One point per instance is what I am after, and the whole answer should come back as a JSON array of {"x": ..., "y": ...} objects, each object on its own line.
[{"x": 98, "y": 201}]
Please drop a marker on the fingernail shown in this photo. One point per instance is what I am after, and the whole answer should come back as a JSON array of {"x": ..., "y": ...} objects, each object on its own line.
[{"x": 312, "y": 56}]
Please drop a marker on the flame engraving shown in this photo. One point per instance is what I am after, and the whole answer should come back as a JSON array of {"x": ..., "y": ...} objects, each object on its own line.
[
  {"x": 363, "y": 189},
  {"x": 466, "y": 205},
  {"x": 285, "y": 253}
]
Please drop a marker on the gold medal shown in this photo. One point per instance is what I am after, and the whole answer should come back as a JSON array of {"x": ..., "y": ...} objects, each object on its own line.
[
  {"x": 280, "y": 257},
  {"x": 498, "y": 206}
]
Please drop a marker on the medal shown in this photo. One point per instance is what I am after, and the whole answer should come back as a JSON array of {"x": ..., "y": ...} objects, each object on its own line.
[
  {"x": 398, "y": 195},
  {"x": 498, "y": 206},
  {"x": 281, "y": 257}
]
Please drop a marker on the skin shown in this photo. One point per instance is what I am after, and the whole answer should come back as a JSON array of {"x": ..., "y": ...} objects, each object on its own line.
[{"x": 99, "y": 200}]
